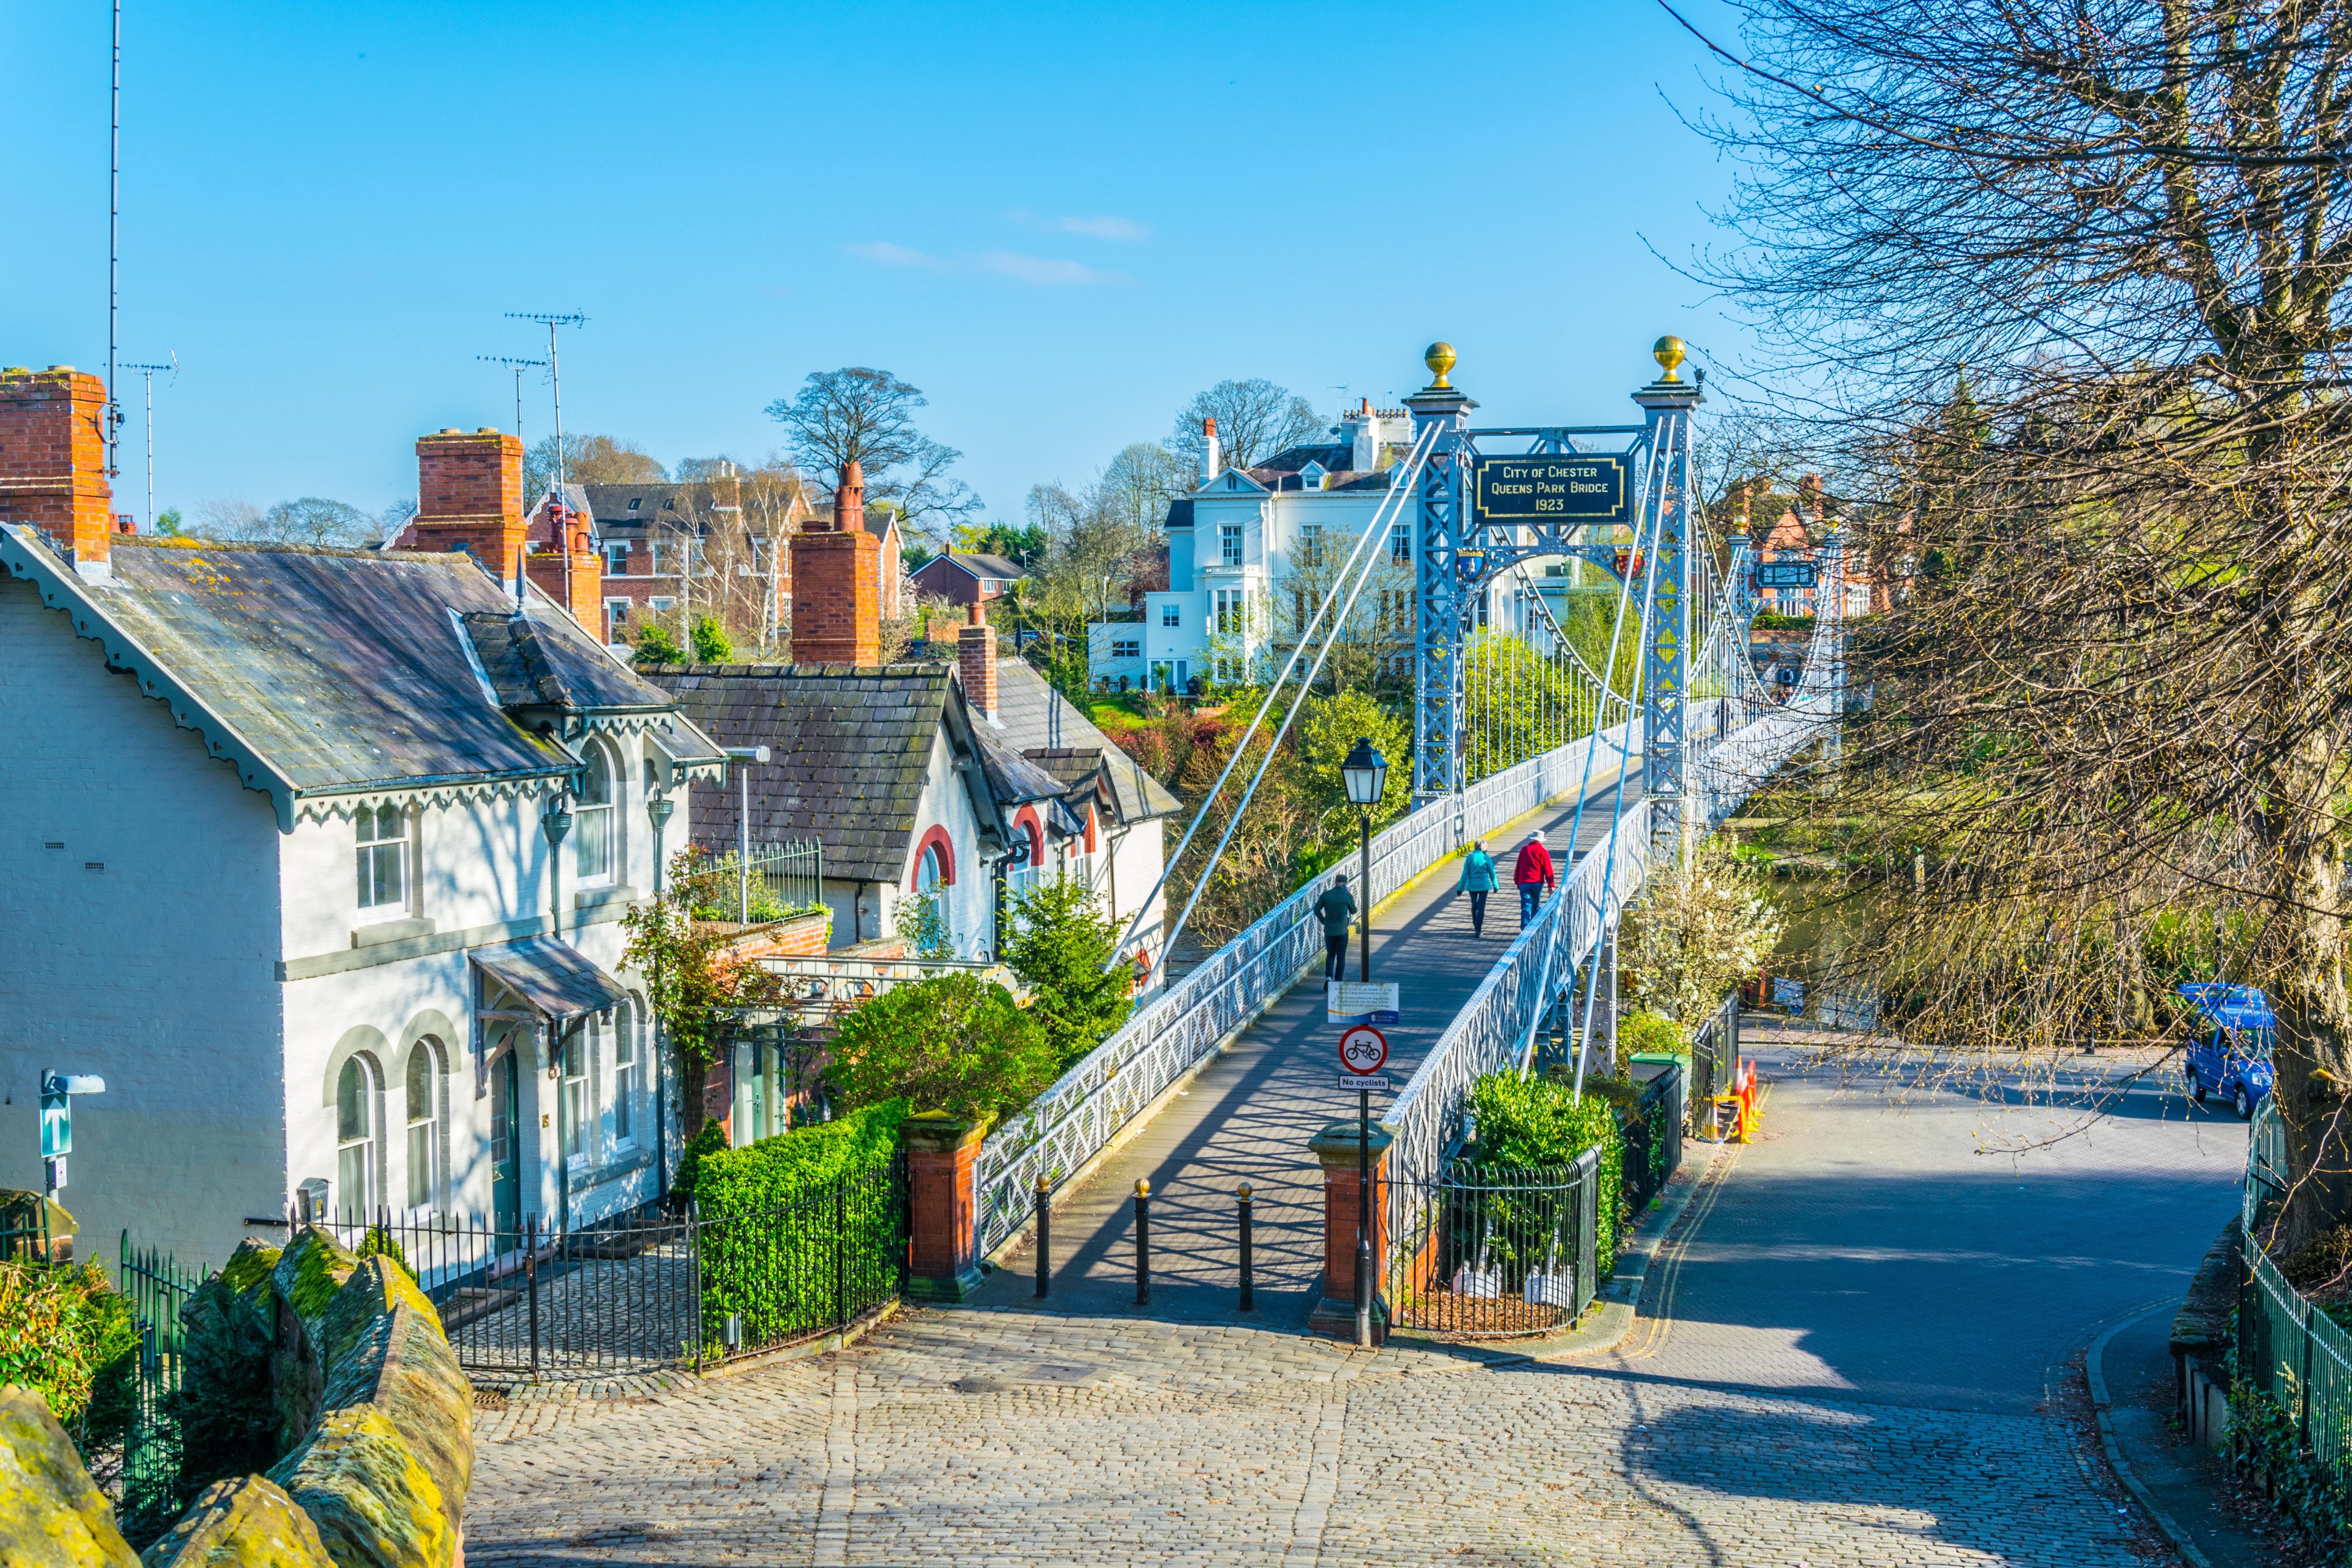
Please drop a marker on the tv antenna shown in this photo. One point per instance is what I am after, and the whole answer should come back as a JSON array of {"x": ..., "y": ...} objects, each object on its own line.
[
  {"x": 518, "y": 366},
  {"x": 113, "y": 421},
  {"x": 550, "y": 321},
  {"x": 149, "y": 371}
]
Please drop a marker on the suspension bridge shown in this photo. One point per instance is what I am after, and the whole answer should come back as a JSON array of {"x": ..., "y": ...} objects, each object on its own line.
[{"x": 1223, "y": 1076}]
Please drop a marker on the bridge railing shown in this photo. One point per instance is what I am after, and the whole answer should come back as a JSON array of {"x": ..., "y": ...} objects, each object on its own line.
[
  {"x": 1170, "y": 1034},
  {"x": 1490, "y": 1032}
]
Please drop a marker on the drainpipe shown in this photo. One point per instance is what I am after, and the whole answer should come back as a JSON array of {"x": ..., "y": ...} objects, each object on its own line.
[{"x": 658, "y": 810}]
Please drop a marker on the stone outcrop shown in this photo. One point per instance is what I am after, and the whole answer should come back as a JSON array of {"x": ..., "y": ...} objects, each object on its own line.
[
  {"x": 249, "y": 1523},
  {"x": 228, "y": 1425},
  {"x": 304, "y": 1281},
  {"x": 52, "y": 1515}
]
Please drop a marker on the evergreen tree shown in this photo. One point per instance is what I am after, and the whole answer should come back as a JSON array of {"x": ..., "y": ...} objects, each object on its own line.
[{"x": 1060, "y": 944}]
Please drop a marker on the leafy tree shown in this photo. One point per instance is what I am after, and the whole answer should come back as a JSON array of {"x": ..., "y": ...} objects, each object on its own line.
[
  {"x": 656, "y": 644},
  {"x": 1327, "y": 731},
  {"x": 1256, "y": 419},
  {"x": 923, "y": 923},
  {"x": 1023, "y": 546},
  {"x": 951, "y": 1043},
  {"x": 167, "y": 522},
  {"x": 697, "y": 992},
  {"x": 710, "y": 642},
  {"x": 1059, "y": 942}
]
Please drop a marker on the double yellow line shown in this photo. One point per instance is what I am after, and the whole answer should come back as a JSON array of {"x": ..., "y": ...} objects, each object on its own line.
[{"x": 1670, "y": 1255}]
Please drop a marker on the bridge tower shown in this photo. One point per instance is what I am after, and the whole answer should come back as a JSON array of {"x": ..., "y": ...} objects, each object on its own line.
[
  {"x": 1442, "y": 599},
  {"x": 1669, "y": 495}
]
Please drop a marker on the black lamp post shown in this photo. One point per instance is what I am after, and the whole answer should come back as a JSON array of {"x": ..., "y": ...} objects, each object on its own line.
[
  {"x": 1366, "y": 773},
  {"x": 556, "y": 822}
]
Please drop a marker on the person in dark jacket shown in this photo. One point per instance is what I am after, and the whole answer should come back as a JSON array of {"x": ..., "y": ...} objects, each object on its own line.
[
  {"x": 1533, "y": 876},
  {"x": 1477, "y": 880},
  {"x": 1336, "y": 906}
]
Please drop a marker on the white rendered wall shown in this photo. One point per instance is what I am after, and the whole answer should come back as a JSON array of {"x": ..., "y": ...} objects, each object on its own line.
[{"x": 157, "y": 972}]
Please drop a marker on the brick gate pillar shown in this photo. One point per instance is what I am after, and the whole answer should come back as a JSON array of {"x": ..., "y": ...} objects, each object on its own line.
[
  {"x": 943, "y": 1262},
  {"x": 1336, "y": 1147}
]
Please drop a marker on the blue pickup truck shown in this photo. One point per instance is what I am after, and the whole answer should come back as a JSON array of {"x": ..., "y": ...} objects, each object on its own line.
[{"x": 2231, "y": 1055}]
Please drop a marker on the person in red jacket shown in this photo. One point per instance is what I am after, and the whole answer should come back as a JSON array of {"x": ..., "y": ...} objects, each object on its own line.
[{"x": 1533, "y": 876}]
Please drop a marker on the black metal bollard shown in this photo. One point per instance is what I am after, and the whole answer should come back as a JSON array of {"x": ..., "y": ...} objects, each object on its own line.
[
  {"x": 1044, "y": 1232},
  {"x": 1142, "y": 1243},
  {"x": 1249, "y": 1294}
]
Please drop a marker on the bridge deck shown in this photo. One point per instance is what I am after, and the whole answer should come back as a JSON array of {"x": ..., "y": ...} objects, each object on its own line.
[{"x": 1248, "y": 1115}]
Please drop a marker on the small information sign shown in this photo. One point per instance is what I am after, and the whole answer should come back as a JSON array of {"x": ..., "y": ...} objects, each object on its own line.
[
  {"x": 1361, "y": 1080},
  {"x": 1360, "y": 1001}
]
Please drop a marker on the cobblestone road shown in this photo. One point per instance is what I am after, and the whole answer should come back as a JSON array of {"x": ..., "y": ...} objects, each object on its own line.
[{"x": 1856, "y": 1352}]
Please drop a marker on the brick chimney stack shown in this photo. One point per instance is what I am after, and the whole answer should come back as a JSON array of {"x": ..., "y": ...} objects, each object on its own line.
[
  {"x": 976, "y": 662},
  {"x": 1810, "y": 505},
  {"x": 53, "y": 460},
  {"x": 837, "y": 583},
  {"x": 1209, "y": 453},
  {"x": 565, "y": 567},
  {"x": 468, "y": 497}
]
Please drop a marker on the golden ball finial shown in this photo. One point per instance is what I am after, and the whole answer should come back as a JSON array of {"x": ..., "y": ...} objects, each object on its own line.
[
  {"x": 1439, "y": 358},
  {"x": 1669, "y": 352}
]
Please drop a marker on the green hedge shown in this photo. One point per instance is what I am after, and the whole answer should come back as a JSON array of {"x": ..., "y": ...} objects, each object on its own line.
[
  {"x": 1538, "y": 1122},
  {"x": 791, "y": 1222},
  {"x": 67, "y": 1334}
]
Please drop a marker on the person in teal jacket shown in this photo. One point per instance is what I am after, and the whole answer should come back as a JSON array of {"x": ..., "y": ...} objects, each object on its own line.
[{"x": 1477, "y": 880}]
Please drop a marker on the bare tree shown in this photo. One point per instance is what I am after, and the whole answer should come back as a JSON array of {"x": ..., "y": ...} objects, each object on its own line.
[
  {"x": 306, "y": 520},
  {"x": 1256, "y": 419},
  {"x": 2118, "y": 697},
  {"x": 867, "y": 416},
  {"x": 589, "y": 460}
]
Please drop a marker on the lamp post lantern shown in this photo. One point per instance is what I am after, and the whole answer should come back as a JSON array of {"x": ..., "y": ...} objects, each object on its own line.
[
  {"x": 1366, "y": 774},
  {"x": 556, "y": 822}
]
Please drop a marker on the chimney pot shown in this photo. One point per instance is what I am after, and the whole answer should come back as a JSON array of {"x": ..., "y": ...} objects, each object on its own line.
[
  {"x": 976, "y": 664},
  {"x": 60, "y": 370},
  {"x": 849, "y": 499}
]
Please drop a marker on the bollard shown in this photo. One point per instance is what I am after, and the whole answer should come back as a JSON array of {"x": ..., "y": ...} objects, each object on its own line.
[
  {"x": 1044, "y": 1231},
  {"x": 1142, "y": 1243},
  {"x": 1249, "y": 1296}
]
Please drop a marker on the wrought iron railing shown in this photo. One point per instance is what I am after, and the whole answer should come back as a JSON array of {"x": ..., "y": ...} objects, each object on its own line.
[
  {"x": 766, "y": 885},
  {"x": 1172, "y": 1033},
  {"x": 1486, "y": 1251},
  {"x": 158, "y": 1288},
  {"x": 2288, "y": 1348}
]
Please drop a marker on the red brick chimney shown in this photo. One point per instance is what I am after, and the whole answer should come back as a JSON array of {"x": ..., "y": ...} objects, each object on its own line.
[
  {"x": 469, "y": 496},
  {"x": 53, "y": 459},
  {"x": 565, "y": 567},
  {"x": 1810, "y": 507},
  {"x": 837, "y": 583},
  {"x": 976, "y": 662}
]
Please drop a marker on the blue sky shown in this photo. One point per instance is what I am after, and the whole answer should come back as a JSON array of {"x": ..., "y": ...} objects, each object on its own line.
[{"x": 1059, "y": 221}]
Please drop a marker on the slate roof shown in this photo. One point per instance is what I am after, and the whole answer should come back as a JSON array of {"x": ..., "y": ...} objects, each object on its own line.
[
  {"x": 1034, "y": 717},
  {"x": 1180, "y": 513},
  {"x": 1281, "y": 472},
  {"x": 331, "y": 672},
  {"x": 980, "y": 565},
  {"x": 1014, "y": 780},
  {"x": 850, "y": 753}
]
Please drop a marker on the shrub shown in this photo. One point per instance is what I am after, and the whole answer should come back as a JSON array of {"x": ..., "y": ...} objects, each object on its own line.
[
  {"x": 951, "y": 1043},
  {"x": 779, "y": 1247},
  {"x": 1058, "y": 941},
  {"x": 655, "y": 645},
  {"x": 711, "y": 644},
  {"x": 68, "y": 1335},
  {"x": 380, "y": 1243},
  {"x": 711, "y": 1139},
  {"x": 1538, "y": 1122},
  {"x": 1652, "y": 1033}
]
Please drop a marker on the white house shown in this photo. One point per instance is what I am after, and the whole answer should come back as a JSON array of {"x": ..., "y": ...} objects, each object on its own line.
[{"x": 282, "y": 873}]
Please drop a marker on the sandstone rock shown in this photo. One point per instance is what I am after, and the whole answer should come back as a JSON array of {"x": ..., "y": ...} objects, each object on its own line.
[
  {"x": 228, "y": 1423},
  {"x": 50, "y": 1511},
  {"x": 247, "y": 1523},
  {"x": 375, "y": 1503},
  {"x": 384, "y": 1349},
  {"x": 305, "y": 1280}
]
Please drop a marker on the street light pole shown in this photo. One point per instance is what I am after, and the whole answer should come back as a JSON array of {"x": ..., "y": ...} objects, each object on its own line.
[{"x": 1366, "y": 774}]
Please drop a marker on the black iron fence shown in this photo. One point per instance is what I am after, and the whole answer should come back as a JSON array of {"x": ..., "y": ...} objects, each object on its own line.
[
  {"x": 1494, "y": 1250},
  {"x": 158, "y": 1288},
  {"x": 647, "y": 1288},
  {"x": 1653, "y": 1139},
  {"x": 1714, "y": 1056}
]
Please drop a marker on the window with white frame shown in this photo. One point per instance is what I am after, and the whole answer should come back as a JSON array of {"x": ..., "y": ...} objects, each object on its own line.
[
  {"x": 1170, "y": 616},
  {"x": 593, "y": 819},
  {"x": 1400, "y": 541},
  {"x": 575, "y": 1092},
  {"x": 356, "y": 1162},
  {"x": 1310, "y": 542},
  {"x": 1127, "y": 647},
  {"x": 383, "y": 835},
  {"x": 616, "y": 559},
  {"x": 624, "y": 1074},
  {"x": 1229, "y": 544},
  {"x": 1228, "y": 611},
  {"x": 423, "y": 1097}
]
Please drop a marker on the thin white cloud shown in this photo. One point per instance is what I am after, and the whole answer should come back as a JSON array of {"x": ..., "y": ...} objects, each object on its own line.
[
  {"x": 1104, "y": 227},
  {"x": 1044, "y": 270}
]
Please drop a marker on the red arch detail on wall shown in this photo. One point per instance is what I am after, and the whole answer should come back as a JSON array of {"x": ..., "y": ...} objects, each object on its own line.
[
  {"x": 939, "y": 836},
  {"x": 1025, "y": 821}
]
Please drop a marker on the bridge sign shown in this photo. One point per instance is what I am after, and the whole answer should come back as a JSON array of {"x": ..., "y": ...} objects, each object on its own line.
[
  {"x": 1786, "y": 575},
  {"x": 1565, "y": 486},
  {"x": 1363, "y": 1049}
]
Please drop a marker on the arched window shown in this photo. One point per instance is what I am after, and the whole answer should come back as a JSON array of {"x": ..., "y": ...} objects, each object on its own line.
[
  {"x": 573, "y": 1056},
  {"x": 933, "y": 868},
  {"x": 592, "y": 823},
  {"x": 423, "y": 1117},
  {"x": 356, "y": 1164}
]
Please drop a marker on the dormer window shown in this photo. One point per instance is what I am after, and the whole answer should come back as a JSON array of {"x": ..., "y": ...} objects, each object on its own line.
[
  {"x": 1312, "y": 476},
  {"x": 636, "y": 501}
]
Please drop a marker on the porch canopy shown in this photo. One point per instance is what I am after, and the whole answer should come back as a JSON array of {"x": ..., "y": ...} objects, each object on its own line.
[{"x": 551, "y": 977}]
